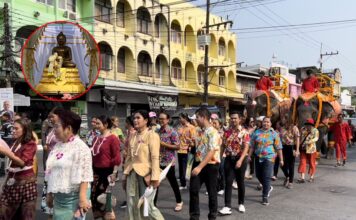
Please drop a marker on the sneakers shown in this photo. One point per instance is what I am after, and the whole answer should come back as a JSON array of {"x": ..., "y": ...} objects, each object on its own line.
[
  {"x": 183, "y": 188},
  {"x": 123, "y": 205},
  {"x": 234, "y": 185},
  {"x": 241, "y": 208},
  {"x": 343, "y": 162},
  {"x": 221, "y": 192},
  {"x": 265, "y": 202},
  {"x": 269, "y": 192},
  {"x": 225, "y": 211}
]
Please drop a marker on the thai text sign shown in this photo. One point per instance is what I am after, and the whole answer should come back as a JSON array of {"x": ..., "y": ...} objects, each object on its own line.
[{"x": 162, "y": 102}]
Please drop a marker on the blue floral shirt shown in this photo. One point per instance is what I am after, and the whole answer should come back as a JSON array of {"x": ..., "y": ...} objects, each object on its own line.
[{"x": 266, "y": 144}]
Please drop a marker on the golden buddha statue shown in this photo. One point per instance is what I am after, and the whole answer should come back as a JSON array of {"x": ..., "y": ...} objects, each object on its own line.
[
  {"x": 63, "y": 51},
  {"x": 60, "y": 75}
]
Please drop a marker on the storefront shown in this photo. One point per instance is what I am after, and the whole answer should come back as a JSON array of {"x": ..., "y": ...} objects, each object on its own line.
[{"x": 123, "y": 98}]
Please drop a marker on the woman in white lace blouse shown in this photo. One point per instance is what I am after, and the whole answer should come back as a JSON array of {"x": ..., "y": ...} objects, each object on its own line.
[{"x": 69, "y": 169}]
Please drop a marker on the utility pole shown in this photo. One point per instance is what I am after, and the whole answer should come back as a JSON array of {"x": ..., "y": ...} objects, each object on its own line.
[
  {"x": 206, "y": 57},
  {"x": 7, "y": 59},
  {"x": 325, "y": 54}
]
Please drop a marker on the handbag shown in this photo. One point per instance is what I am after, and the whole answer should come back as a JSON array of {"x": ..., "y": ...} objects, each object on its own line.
[{"x": 302, "y": 147}]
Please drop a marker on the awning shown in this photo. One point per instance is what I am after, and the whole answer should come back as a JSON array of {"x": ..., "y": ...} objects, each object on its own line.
[
  {"x": 139, "y": 87},
  {"x": 247, "y": 76}
]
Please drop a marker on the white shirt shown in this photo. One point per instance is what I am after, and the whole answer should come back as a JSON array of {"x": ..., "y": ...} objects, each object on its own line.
[{"x": 68, "y": 165}]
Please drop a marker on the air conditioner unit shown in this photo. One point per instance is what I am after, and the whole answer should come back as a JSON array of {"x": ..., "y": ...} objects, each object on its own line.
[
  {"x": 72, "y": 16},
  {"x": 65, "y": 14}
]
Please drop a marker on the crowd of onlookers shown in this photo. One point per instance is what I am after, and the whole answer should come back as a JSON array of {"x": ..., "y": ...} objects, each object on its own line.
[{"x": 221, "y": 154}]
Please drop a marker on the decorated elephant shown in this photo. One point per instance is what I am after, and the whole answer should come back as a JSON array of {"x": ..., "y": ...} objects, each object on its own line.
[
  {"x": 262, "y": 103},
  {"x": 322, "y": 110}
]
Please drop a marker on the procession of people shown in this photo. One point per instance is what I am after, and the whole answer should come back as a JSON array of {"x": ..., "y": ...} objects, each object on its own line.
[
  {"x": 78, "y": 171},
  {"x": 81, "y": 171}
]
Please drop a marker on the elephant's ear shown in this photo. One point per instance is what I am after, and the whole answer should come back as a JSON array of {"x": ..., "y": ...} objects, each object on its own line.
[{"x": 327, "y": 110}]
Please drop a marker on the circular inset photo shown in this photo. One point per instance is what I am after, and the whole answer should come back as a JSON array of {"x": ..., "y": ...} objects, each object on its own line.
[{"x": 60, "y": 61}]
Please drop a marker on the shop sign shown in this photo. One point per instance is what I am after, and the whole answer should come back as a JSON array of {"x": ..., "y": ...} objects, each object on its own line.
[{"x": 157, "y": 102}]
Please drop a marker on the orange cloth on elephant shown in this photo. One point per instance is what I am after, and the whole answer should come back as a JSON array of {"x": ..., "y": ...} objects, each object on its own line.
[
  {"x": 310, "y": 84},
  {"x": 264, "y": 83}
]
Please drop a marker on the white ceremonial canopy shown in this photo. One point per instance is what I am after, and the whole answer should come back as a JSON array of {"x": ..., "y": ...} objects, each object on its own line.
[{"x": 74, "y": 40}]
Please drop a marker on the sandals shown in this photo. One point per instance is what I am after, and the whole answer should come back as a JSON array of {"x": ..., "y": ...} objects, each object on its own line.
[
  {"x": 179, "y": 207},
  {"x": 301, "y": 181},
  {"x": 289, "y": 186},
  {"x": 286, "y": 181}
]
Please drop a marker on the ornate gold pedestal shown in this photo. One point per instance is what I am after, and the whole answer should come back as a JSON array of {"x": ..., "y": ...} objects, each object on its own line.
[{"x": 67, "y": 82}]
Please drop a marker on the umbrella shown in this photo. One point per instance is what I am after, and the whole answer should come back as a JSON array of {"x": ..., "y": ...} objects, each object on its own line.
[{"x": 150, "y": 192}]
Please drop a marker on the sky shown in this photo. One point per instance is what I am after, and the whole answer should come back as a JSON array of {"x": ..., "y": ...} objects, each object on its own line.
[{"x": 295, "y": 46}]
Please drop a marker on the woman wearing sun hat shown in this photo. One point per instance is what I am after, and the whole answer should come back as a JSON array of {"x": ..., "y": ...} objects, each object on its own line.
[{"x": 310, "y": 136}]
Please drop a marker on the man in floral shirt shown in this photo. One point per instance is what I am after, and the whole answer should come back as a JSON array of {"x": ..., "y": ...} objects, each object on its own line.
[
  {"x": 266, "y": 144},
  {"x": 236, "y": 142},
  {"x": 205, "y": 165},
  {"x": 93, "y": 133},
  {"x": 169, "y": 144}
]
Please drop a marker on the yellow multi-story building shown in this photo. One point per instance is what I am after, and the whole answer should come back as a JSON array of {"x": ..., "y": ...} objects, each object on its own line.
[{"x": 151, "y": 47}]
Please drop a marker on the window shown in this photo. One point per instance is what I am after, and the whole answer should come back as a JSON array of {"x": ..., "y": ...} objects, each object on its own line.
[
  {"x": 106, "y": 57},
  {"x": 185, "y": 38},
  {"x": 120, "y": 14},
  {"x": 221, "y": 78},
  {"x": 47, "y": 2},
  {"x": 176, "y": 33},
  {"x": 176, "y": 69},
  {"x": 159, "y": 68},
  {"x": 68, "y": 5},
  {"x": 21, "y": 36},
  {"x": 103, "y": 10},
  {"x": 158, "y": 22},
  {"x": 71, "y": 5},
  {"x": 221, "y": 48},
  {"x": 143, "y": 20},
  {"x": 144, "y": 64},
  {"x": 121, "y": 61}
]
